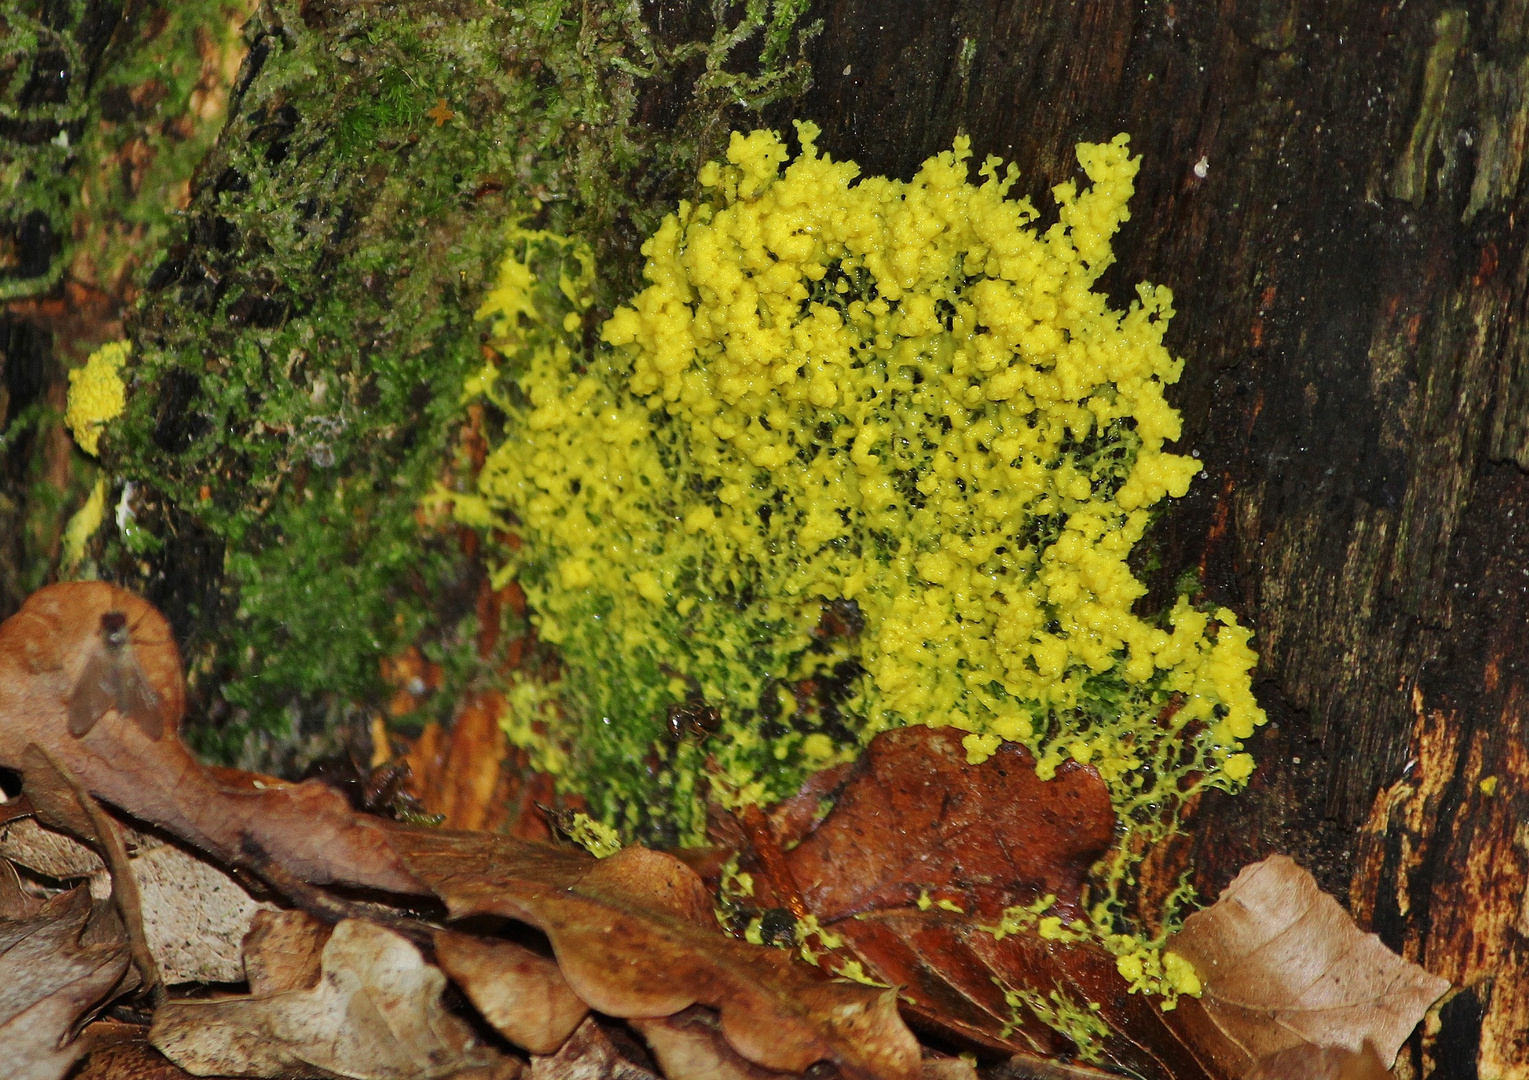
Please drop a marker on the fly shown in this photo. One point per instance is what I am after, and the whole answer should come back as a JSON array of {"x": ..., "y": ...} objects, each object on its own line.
[
  {"x": 112, "y": 679},
  {"x": 693, "y": 720}
]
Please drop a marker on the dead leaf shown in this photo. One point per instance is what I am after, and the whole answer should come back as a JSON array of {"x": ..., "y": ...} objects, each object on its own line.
[
  {"x": 133, "y": 1061},
  {"x": 15, "y": 903},
  {"x": 374, "y": 1015},
  {"x": 1307, "y": 1062},
  {"x": 283, "y": 951},
  {"x": 634, "y": 936},
  {"x": 195, "y": 916},
  {"x": 522, "y": 993},
  {"x": 589, "y": 1054},
  {"x": 60, "y": 800},
  {"x": 47, "y": 852},
  {"x": 947, "y": 1068},
  {"x": 914, "y": 817},
  {"x": 1284, "y": 965},
  {"x": 922, "y": 849},
  {"x": 953, "y": 976},
  {"x": 689, "y": 1046},
  {"x": 56, "y": 967},
  {"x": 307, "y": 828}
]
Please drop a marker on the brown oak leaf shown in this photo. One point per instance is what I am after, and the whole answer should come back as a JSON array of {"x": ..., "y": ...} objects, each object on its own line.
[
  {"x": 522, "y": 993},
  {"x": 923, "y": 849},
  {"x": 57, "y": 964},
  {"x": 634, "y": 935},
  {"x": 51, "y": 648},
  {"x": 1284, "y": 966},
  {"x": 915, "y": 817},
  {"x": 689, "y": 1046},
  {"x": 956, "y": 974}
]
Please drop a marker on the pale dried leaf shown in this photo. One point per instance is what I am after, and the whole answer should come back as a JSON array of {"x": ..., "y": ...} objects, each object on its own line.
[
  {"x": 523, "y": 994},
  {"x": 375, "y": 1015},
  {"x": 130, "y": 1061},
  {"x": 589, "y": 1054},
  {"x": 1284, "y": 965},
  {"x": 44, "y": 851},
  {"x": 947, "y": 1068},
  {"x": 194, "y": 916},
  {"x": 55, "y": 967},
  {"x": 689, "y": 1046}
]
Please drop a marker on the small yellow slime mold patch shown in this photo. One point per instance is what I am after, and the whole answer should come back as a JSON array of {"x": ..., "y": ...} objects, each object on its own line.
[
  {"x": 900, "y": 401},
  {"x": 96, "y": 394}
]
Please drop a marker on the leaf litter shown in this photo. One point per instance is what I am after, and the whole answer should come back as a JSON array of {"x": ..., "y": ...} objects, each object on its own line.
[
  {"x": 1287, "y": 972},
  {"x": 372, "y": 948}
]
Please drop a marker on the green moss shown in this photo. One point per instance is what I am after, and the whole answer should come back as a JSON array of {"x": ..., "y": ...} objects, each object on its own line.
[
  {"x": 300, "y": 352},
  {"x": 106, "y": 115}
]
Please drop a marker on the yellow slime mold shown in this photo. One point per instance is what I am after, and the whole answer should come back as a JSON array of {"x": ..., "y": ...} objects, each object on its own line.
[{"x": 900, "y": 403}]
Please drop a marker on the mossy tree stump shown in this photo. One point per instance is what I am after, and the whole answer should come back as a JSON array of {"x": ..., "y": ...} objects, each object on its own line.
[{"x": 1332, "y": 190}]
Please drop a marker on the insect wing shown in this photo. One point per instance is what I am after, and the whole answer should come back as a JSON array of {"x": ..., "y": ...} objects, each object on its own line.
[
  {"x": 111, "y": 679},
  {"x": 135, "y": 699},
  {"x": 94, "y": 692}
]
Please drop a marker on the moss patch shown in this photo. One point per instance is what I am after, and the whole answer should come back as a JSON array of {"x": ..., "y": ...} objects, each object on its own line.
[{"x": 299, "y": 356}]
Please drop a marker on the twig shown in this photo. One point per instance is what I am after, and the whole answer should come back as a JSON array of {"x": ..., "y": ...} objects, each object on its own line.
[
  {"x": 762, "y": 840},
  {"x": 125, "y": 895},
  {"x": 326, "y": 906}
]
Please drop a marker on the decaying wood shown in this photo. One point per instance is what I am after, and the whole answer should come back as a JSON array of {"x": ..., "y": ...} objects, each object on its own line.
[{"x": 1334, "y": 193}]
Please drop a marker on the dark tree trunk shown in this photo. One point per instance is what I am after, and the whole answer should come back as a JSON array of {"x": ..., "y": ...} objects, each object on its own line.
[{"x": 1349, "y": 262}]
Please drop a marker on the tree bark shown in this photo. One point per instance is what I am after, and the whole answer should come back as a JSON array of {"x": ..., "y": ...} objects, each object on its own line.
[{"x": 1333, "y": 191}]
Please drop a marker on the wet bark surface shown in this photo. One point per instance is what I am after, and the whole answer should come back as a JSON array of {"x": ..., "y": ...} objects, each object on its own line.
[{"x": 1333, "y": 192}]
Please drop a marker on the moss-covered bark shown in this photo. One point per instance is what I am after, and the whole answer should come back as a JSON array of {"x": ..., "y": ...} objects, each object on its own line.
[
  {"x": 105, "y": 110},
  {"x": 301, "y": 347}
]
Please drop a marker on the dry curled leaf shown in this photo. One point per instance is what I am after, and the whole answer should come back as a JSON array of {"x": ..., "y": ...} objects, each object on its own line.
[
  {"x": 689, "y": 1046},
  {"x": 56, "y": 966},
  {"x": 130, "y": 1061},
  {"x": 54, "y": 640},
  {"x": 46, "y": 851},
  {"x": 1308, "y": 1062},
  {"x": 1284, "y": 966},
  {"x": 284, "y": 950},
  {"x": 916, "y": 818},
  {"x": 194, "y": 915},
  {"x": 634, "y": 935},
  {"x": 375, "y": 1014},
  {"x": 590, "y": 1054},
  {"x": 522, "y": 993}
]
